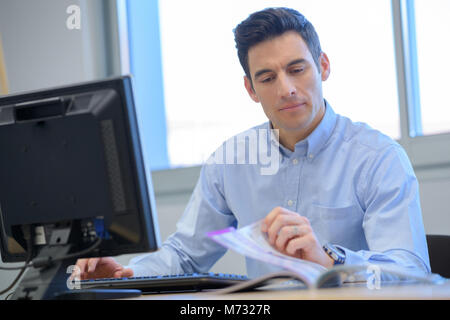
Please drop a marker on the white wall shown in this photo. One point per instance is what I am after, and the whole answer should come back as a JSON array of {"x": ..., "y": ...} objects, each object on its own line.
[
  {"x": 434, "y": 185},
  {"x": 40, "y": 51}
]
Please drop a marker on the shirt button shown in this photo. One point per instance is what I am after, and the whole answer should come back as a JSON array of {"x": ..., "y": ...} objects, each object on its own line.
[
  {"x": 311, "y": 156},
  {"x": 295, "y": 161},
  {"x": 290, "y": 203}
]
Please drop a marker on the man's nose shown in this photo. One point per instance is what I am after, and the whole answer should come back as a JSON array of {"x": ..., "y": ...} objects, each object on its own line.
[{"x": 286, "y": 87}]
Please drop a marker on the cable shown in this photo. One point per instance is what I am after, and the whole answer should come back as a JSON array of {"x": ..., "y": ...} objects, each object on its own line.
[
  {"x": 14, "y": 282},
  {"x": 15, "y": 268},
  {"x": 82, "y": 252},
  {"x": 43, "y": 262},
  {"x": 46, "y": 261},
  {"x": 27, "y": 236},
  {"x": 9, "y": 295}
]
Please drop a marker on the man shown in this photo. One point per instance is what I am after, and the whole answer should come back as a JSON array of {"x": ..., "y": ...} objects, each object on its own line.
[{"x": 343, "y": 193}]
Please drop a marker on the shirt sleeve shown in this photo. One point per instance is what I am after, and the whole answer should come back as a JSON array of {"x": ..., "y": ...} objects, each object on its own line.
[
  {"x": 392, "y": 222},
  {"x": 189, "y": 249}
]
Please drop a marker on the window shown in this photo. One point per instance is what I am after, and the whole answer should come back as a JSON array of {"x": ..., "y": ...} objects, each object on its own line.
[
  {"x": 433, "y": 50},
  {"x": 429, "y": 150},
  {"x": 205, "y": 99},
  {"x": 139, "y": 43}
]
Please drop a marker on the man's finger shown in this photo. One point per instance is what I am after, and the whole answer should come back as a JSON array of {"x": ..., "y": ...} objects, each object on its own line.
[
  {"x": 281, "y": 221},
  {"x": 123, "y": 273},
  {"x": 127, "y": 272},
  {"x": 81, "y": 264},
  {"x": 92, "y": 264},
  {"x": 268, "y": 220},
  {"x": 287, "y": 233},
  {"x": 297, "y": 244}
]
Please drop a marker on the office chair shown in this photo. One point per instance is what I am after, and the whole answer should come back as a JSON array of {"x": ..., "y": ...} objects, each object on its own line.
[{"x": 439, "y": 252}]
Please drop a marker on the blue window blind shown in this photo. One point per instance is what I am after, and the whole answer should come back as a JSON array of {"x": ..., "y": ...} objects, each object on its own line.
[{"x": 145, "y": 66}]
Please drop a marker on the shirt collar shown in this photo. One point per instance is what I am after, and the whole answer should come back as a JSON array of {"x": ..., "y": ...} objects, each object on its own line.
[
  {"x": 319, "y": 137},
  {"x": 315, "y": 141}
]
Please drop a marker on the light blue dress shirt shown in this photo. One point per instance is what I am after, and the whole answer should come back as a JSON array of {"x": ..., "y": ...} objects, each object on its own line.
[{"x": 355, "y": 185}]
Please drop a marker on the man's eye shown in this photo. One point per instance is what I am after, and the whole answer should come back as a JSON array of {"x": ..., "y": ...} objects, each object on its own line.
[
  {"x": 297, "y": 70},
  {"x": 266, "y": 80}
]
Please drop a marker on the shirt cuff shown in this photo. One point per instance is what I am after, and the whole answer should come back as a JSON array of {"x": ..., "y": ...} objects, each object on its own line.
[
  {"x": 393, "y": 268},
  {"x": 351, "y": 257},
  {"x": 139, "y": 270}
]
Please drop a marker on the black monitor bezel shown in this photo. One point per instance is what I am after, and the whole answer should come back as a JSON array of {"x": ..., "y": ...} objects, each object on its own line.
[{"x": 141, "y": 175}]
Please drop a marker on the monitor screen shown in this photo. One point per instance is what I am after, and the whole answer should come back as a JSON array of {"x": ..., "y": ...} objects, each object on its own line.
[{"x": 72, "y": 169}]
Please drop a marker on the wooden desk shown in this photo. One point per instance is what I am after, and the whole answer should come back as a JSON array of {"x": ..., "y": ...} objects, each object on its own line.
[{"x": 355, "y": 292}]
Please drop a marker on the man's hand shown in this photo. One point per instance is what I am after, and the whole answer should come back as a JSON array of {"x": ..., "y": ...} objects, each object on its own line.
[
  {"x": 95, "y": 268},
  {"x": 292, "y": 234}
]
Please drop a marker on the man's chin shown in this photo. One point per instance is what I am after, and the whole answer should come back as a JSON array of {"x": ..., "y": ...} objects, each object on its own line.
[{"x": 294, "y": 126}]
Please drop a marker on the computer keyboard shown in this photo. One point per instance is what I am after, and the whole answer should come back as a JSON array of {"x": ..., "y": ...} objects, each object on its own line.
[{"x": 167, "y": 283}]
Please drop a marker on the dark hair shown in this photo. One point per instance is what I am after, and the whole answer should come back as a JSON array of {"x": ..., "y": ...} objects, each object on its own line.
[{"x": 270, "y": 23}]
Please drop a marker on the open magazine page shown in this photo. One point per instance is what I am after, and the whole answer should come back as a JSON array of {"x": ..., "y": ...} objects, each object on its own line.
[{"x": 252, "y": 242}]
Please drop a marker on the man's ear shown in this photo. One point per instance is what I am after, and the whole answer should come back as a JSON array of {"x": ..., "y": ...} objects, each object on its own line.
[
  {"x": 250, "y": 90},
  {"x": 324, "y": 66}
]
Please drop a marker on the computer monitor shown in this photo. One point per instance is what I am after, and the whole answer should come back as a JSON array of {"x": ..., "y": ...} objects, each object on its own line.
[{"x": 73, "y": 175}]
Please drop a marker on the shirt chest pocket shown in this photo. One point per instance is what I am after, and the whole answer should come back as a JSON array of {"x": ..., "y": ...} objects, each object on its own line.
[{"x": 339, "y": 225}]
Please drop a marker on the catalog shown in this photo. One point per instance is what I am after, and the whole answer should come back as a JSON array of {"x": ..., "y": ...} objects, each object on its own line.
[{"x": 250, "y": 241}]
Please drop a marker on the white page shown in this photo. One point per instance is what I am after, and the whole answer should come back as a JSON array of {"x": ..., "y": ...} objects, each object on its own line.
[{"x": 252, "y": 242}]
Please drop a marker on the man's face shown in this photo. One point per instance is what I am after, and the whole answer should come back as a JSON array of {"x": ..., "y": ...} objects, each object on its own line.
[{"x": 287, "y": 83}]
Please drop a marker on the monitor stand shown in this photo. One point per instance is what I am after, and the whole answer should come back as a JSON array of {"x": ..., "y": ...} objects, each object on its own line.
[{"x": 52, "y": 282}]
